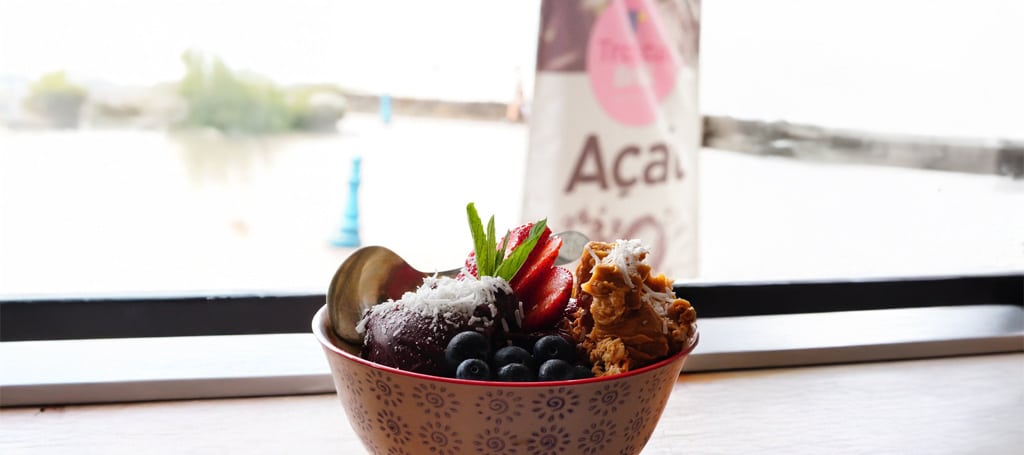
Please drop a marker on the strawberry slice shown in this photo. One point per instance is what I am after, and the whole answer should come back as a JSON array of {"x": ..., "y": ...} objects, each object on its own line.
[
  {"x": 540, "y": 260},
  {"x": 546, "y": 302},
  {"x": 516, "y": 236},
  {"x": 469, "y": 268},
  {"x": 519, "y": 234}
]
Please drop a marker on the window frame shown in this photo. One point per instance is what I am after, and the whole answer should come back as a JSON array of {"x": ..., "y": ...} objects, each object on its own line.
[
  {"x": 216, "y": 346},
  {"x": 63, "y": 318}
]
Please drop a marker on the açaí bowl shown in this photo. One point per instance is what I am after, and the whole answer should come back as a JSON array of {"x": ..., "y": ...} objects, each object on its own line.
[{"x": 400, "y": 412}]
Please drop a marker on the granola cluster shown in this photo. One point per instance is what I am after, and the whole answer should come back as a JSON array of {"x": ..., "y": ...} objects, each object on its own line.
[{"x": 627, "y": 317}]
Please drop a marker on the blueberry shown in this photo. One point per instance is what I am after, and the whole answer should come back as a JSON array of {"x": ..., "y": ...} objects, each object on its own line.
[
  {"x": 512, "y": 354},
  {"x": 466, "y": 345},
  {"x": 554, "y": 347},
  {"x": 555, "y": 370},
  {"x": 474, "y": 369},
  {"x": 581, "y": 372},
  {"x": 516, "y": 372}
]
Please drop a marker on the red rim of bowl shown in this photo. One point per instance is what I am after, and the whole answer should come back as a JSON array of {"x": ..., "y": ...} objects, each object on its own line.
[{"x": 320, "y": 328}]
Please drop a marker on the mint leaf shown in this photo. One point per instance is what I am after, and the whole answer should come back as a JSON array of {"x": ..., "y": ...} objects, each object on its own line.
[
  {"x": 517, "y": 258},
  {"x": 476, "y": 228},
  {"x": 490, "y": 259},
  {"x": 504, "y": 246},
  {"x": 492, "y": 240}
]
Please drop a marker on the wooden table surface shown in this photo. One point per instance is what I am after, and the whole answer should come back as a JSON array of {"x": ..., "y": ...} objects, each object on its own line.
[{"x": 955, "y": 405}]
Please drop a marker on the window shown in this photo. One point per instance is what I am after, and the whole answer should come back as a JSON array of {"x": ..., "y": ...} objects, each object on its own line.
[{"x": 844, "y": 142}]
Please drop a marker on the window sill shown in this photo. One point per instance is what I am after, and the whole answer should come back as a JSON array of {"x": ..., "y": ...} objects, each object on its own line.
[{"x": 144, "y": 369}]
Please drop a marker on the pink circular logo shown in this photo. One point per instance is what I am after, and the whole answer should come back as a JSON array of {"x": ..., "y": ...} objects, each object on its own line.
[{"x": 631, "y": 67}]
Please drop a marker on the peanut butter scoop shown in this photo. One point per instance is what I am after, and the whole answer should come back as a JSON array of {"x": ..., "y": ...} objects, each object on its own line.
[{"x": 627, "y": 317}]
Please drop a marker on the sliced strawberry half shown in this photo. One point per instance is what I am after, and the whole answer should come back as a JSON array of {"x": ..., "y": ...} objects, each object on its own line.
[
  {"x": 519, "y": 234},
  {"x": 546, "y": 302},
  {"x": 516, "y": 237},
  {"x": 540, "y": 260},
  {"x": 469, "y": 268}
]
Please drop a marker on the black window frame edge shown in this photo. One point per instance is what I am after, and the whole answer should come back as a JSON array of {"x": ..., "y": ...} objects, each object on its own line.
[{"x": 65, "y": 318}]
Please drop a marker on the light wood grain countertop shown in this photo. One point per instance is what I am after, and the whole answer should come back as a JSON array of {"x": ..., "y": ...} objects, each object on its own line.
[{"x": 954, "y": 405}]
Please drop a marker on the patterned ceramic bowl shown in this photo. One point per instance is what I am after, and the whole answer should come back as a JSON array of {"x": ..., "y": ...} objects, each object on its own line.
[{"x": 399, "y": 412}]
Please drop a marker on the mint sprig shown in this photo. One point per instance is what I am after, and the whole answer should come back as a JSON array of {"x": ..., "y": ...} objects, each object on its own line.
[{"x": 490, "y": 259}]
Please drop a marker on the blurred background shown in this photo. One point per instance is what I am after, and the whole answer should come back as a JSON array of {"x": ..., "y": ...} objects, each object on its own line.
[{"x": 192, "y": 146}]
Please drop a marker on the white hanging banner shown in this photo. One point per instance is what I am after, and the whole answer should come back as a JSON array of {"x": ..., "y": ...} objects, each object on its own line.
[{"x": 615, "y": 127}]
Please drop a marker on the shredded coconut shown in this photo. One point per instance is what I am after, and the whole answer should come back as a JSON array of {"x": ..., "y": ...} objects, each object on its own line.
[
  {"x": 625, "y": 255},
  {"x": 593, "y": 255},
  {"x": 519, "y": 314},
  {"x": 659, "y": 300},
  {"x": 444, "y": 299}
]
